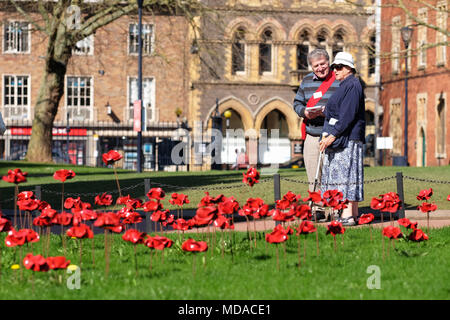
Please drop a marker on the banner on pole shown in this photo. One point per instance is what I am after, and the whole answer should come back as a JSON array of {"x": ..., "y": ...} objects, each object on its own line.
[{"x": 137, "y": 116}]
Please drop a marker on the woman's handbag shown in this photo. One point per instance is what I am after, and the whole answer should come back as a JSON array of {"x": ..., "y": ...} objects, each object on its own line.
[{"x": 2, "y": 125}]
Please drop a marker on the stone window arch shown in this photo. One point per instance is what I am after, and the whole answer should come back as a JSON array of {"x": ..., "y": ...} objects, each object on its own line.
[{"x": 338, "y": 42}]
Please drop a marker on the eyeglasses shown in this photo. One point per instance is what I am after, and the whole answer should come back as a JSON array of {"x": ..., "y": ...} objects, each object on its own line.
[{"x": 338, "y": 66}]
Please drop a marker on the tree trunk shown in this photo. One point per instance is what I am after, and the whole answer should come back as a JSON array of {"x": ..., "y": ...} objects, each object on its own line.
[{"x": 50, "y": 94}]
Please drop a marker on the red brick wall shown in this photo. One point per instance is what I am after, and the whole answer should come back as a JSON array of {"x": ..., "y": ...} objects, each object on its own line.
[{"x": 432, "y": 80}]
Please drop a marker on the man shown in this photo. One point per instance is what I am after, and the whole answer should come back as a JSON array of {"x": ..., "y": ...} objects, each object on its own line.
[{"x": 314, "y": 91}]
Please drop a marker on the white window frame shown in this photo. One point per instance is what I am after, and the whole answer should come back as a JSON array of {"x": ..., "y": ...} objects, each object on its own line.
[
  {"x": 88, "y": 43},
  {"x": 25, "y": 115},
  {"x": 80, "y": 108},
  {"x": 145, "y": 41},
  {"x": 441, "y": 21},
  {"x": 422, "y": 39},
  {"x": 395, "y": 45},
  {"x": 129, "y": 109},
  {"x": 14, "y": 50}
]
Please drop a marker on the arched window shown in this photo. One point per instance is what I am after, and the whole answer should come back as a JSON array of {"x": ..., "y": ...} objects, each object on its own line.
[
  {"x": 338, "y": 43},
  {"x": 302, "y": 50},
  {"x": 238, "y": 51},
  {"x": 321, "y": 39},
  {"x": 440, "y": 134},
  {"x": 265, "y": 52}
]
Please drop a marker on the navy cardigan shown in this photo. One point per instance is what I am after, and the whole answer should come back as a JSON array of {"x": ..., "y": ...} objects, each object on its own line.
[{"x": 345, "y": 111}]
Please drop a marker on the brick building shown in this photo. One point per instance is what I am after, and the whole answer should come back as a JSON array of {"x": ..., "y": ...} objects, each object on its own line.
[
  {"x": 255, "y": 60},
  {"x": 100, "y": 88},
  {"x": 428, "y": 84}
]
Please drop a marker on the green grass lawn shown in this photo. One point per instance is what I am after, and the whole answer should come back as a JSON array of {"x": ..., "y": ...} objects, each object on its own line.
[
  {"x": 91, "y": 181},
  {"x": 411, "y": 271}
]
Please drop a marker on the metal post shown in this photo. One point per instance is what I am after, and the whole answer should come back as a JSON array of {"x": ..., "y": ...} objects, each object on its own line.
[
  {"x": 38, "y": 192},
  {"x": 139, "y": 134},
  {"x": 401, "y": 211},
  {"x": 148, "y": 221},
  {"x": 276, "y": 190},
  {"x": 406, "y": 107}
]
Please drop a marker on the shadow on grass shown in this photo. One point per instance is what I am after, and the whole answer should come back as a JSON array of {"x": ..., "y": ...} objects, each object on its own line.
[{"x": 262, "y": 257}]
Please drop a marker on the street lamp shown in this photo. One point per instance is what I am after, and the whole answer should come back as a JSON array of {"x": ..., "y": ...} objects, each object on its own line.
[
  {"x": 227, "y": 115},
  {"x": 139, "y": 134},
  {"x": 406, "y": 33}
]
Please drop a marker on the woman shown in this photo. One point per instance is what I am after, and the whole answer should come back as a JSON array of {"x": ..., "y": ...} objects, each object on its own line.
[{"x": 342, "y": 138}]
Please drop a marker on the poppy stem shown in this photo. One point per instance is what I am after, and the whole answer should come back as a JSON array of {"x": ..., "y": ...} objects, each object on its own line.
[
  {"x": 370, "y": 229},
  {"x": 284, "y": 250},
  {"x": 428, "y": 222},
  {"x": 390, "y": 218},
  {"x": 278, "y": 259},
  {"x": 81, "y": 251},
  {"x": 342, "y": 240},
  {"x": 117, "y": 180},
  {"x": 16, "y": 192},
  {"x": 221, "y": 240},
  {"x": 254, "y": 228},
  {"x": 334, "y": 238},
  {"x": 248, "y": 232},
  {"x": 93, "y": 254},
  {"x": 193, "y": 265},
  {"x": 151, "y": 258},
  {"x": 62, "y": 198},
  {"x": 181, "y": 212},
  {"x": 135, "y": 260},
  {"x": 317, "y": 243},
  {"x": 298, "y": 251},
  {"x": 304, "y": 249},
  {"x": 162, "y": 256}
]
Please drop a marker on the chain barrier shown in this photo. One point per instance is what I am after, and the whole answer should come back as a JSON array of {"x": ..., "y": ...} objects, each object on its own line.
[
  {"x": 341, "y": 184},
  {"x": 221, "y": 187},
  {"x": 91, "y": 194},
  {"x": 426, "y": 180}
]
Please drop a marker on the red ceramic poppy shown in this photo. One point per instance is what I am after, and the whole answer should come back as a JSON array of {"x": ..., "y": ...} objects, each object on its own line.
[
  {"x": 25, "y": 195},
  {"x": 42, "y": 221},
  {"x": 335, "y": 228},
  {"x": 20, "y": 237},
  {"x": 205, "y": 215},
  {"x": 63, "y": 219},
  {"x": 43, "y": 205},
  {"x": 133, "y": 203},
  {"x": 391, "y": 201},
  {"x": 366, "y": 218},
  {"x": 448, "y": 197},
  {"x": 377, "y": 203},
  {"x": 108, "y": 219},
  {"x": 331, "y": 198},
  {"x": 111, "y": 156},
  {"x": 425, "y": 194},
  {"x": 169, "y": 220},
  {"x": 159, "y": 216},
  {"x": 5, "y": 224},
  {"x": 181, "y": 224},
  {"x": 392, "y": 232},
  {"x": 194, "y": 246},
  {"x": 303, "y": 212},
  {"x": 278, "y": 235},
  {"x": 134, "y": 236},
  {"x": 306, "y": 227},
  {"x": 28, "y": 204},
  {"x": 223, "y": 222},
  {"x": 314, "y": 197},
  {"x": 82, "y": 231},
  {"x": 118, "y": 228},
  {"x": 427, "y": 207},
  {"x": 418, "y": 235},
  {"x": 63, "y": 175},
  {"x": 123, "y": 200},
  {"x": 179, "y": 199},
  {"x": 340, "y": 205},
  {"x": 156, "y": 193},
  {"x": 152, "y": 206},
  {"x": 251, "y": 177},
  {"x": 48, "y": 213},
  {"x": 15, "y": 176},
  {"x": 228, "y": 206},
  {"x": 59, "y": 262},
  {"x": 104, "y": 199},
  {"x": 132, "y": 217},
  {"x": 35, "y": 263},
  {"x": 69, "y": 203},
  {"x": 262, "y": 211},
  {"x": 158, "y": 242}
]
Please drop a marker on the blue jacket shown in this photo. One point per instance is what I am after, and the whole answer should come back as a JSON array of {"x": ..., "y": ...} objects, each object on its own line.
[{"x": 345, "y": 111}]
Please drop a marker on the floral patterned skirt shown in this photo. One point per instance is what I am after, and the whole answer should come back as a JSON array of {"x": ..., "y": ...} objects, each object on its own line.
[{"x": 343, "y": 170}]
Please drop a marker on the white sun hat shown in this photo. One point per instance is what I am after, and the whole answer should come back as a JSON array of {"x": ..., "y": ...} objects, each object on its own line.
[{"x": 344, "y": 58}]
